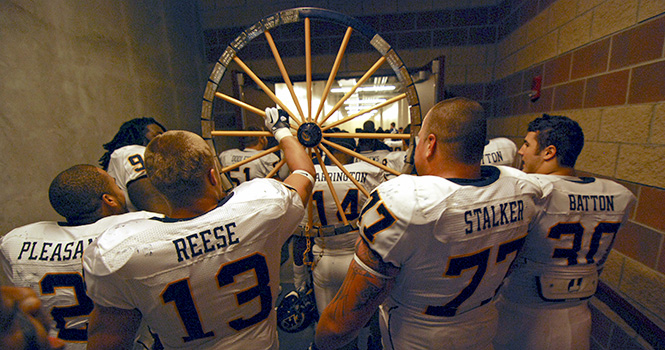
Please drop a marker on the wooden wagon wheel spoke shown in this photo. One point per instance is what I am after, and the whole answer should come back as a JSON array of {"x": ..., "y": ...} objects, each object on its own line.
[
  {"x": 340, "y": 210},
  {"x": 308, "y": 67},
  {"x": 245, "y": 161},
  {"x": 265, "y": 88},
  {"x": 248, "y": 107},
  {"x": 362, "y": 80},
  {"x": 333, "y": 71},
  {"x": 308, "y": 125},
  {"x": 359, "y": 156},
  {"x": 346, "y": 172},
  {"x": 364, "y": 111},
  {"x": 285, "y": 75},
  {"x": 276, "y": 168}
]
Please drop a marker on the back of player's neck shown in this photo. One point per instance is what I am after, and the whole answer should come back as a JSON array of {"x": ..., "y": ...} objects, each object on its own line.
[
  {"x": 199, "y": 207},
  {"x": 563, "y": 171},
  {"x": 457, "y": 171},
  {"x": 83, "y": 220}
]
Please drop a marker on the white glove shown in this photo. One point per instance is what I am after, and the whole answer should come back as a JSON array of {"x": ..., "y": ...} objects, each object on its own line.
[{"x": 277, "y": 121}]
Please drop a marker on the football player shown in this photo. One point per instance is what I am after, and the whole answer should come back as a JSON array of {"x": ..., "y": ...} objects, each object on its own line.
[
  {"x": 261, "y": 167},
  {"x": 500, "y": 151},
  {"x": 435, "y": 247},
  {"x": 373, "y": 149},
  {"x": 544, "y": 303},
  {"x": 207, "y": 275},
  {"x": 396, "y": 159},
  {"x": 124, "y": 162},
  {"x": 46, "y": 256},
  {"x": 334, "y": 239}
]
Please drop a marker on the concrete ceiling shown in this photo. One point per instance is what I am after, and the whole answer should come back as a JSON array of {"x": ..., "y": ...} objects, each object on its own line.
[{"x": 241, "y": 13}]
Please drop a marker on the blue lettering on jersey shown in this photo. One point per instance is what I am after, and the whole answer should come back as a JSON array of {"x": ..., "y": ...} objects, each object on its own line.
[
  {"x": 580, "y": 202},
  {"x": 492, "y": 158},
  {"x": 236, "y": 159},
  {"x": 52, "y": 251},
  {"x": 493, "y": 216},
  {"x": 206, "y": 241},
  {"x": 339, "y": 176}
]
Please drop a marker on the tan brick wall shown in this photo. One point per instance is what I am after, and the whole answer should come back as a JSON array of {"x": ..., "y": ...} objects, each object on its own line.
[
  {"x": 602, "y": 64},
  {"x": 567, "y": 25}
]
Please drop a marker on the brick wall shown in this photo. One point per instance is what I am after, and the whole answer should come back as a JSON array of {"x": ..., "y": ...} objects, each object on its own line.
[{"x": 602, "y": 63}]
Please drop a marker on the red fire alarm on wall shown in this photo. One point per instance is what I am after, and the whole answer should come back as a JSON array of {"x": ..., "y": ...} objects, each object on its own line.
[{"x": 537, "y": 81}]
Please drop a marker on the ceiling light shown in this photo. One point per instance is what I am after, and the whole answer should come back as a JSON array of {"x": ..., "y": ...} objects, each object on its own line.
[{"x": 365, "y": 89}]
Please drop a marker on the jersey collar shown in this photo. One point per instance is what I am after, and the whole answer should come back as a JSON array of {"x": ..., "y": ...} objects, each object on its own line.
[
  {"x": 488, "y": 174},
  {"x": 219, "y": 204}
]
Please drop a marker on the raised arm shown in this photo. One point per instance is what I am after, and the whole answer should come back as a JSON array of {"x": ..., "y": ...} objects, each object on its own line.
[
  {"x": 364, "y": 289},
  {"x": 297, "y": 159}
]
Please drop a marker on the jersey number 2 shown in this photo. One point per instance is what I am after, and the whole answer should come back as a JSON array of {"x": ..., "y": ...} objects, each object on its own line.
[
  {"x": 83, "y": 307},
  {"x": 180, "y": 294}
]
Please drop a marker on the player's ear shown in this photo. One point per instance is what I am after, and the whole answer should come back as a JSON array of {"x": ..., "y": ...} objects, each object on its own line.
[
  {"x": 431, "y": 145},
  {"x": 213, "y": 177},
  {"x": 219, "y": 186},
  {"x": 111, "y": 200},
  {"x": 549, "y": 152}
]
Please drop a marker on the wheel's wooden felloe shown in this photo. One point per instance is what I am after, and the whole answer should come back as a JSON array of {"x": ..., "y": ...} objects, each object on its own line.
[{"x": 305, "y": 114}]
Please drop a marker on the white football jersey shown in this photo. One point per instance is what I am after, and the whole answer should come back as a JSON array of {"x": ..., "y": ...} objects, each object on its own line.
[
  {"x": 571, "y": 238},
  {"x": 377, "y": 156},
  {"x": 125, "y": 166},
  {"x": 395, "y": 160},
  {"x": 499, "y": 151},
  {"x": 46, "y": 256},
  {"x": 257, "y": 168},
  {"x": 325, "y": 210},
  {"x": 205, "y": 282},
  {"x": 453, "y": 241},
  {"x": 351, "y": 198}
]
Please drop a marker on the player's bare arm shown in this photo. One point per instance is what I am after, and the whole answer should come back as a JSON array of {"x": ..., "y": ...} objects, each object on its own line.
[
  {"x": 296, "y": 158},
  {"x": 361, "y": 293},
  {"x": 112, "y": 328},
  {"x": 145, "y": 196}
]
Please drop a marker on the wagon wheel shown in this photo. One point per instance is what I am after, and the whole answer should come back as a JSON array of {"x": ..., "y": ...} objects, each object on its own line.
[{"x": 309, "y": 124}]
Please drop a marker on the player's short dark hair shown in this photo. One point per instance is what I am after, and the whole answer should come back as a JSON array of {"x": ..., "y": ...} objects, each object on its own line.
[
  {"x": 368, "y": 126},
  {"x": 177, "y": 163},
  {"x": 349, "y": 143},
  {"x": 131, "y": 132},
  {"x": 248, "y": 141},
  {"x": 365, "y": 144},
  {"x": 561, "y": 132},
  {"x": 77, "y": 192},
  {"x": 460, "y": 124}
]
